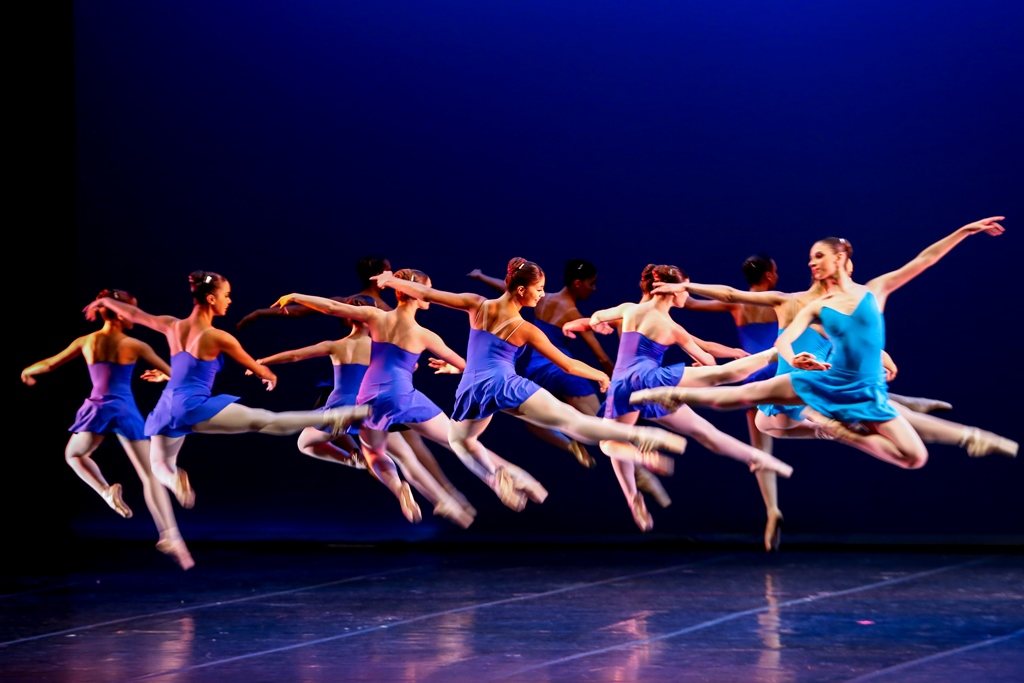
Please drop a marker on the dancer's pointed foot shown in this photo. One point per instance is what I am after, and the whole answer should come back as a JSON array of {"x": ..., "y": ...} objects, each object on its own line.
[
  {"x": 671, "y": 397},
  {"x": 533, "y": 489},
  {"x": 113, "y": 498},
  {"x": 765, "y": 461},
  {"x": 410, "y": 508},
  {"x": 979, "y": 443},
  {"x": 340, "y": 419},
  {"x": 503, "y": 484},
  {"x": 462, "y": 501},
  {"x": 651, "y": 485},
  {"x": 656, "y": 439},
  {"x": 176, "y": 549},
  {"x": 581, "y": 454},
  {"x": 773, "y": 531},
  {"x": 183, "y": 490},
  {"x": 450, "y": 509},
  {"x": 922, "y": 405},
  {"x": 641, "y": 516}
]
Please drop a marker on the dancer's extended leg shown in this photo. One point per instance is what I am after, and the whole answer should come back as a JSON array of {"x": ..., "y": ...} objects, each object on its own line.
[
  {"x": 383, "y": 468},
  {"x": 163, "y": 461},
  {"x": 158, "y": 501},
  {"x": 623, "y": 456},
  {"x": 977, "y": 442},
  {"x": 322, "y": 446},
  {"x": 727, "y": 373},
  {"x": 435, "y": 429},
  {"x": 78, "y": 455},
  {"x": 238, "y": 419},
  {"x": 767, "y": 482}
]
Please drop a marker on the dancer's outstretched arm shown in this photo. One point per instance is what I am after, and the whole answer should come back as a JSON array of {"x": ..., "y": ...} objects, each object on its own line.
[
  {"x": 720, "y": 350},
  {"x": 723, "y": 293},
  {"x": 447, "y": 362},
  {"x": 608, "y": 314},
  {"x": 804, "y": 360},
  {"x": 595, "y": 346},
  {"x": 229, "y": 345},
  {"x": 74, "y": 350},
  {"x": 570, "y": 328},
  {"x": 688, "y": 343},
  {"x": 159, "y": 323},
  {"x": 708, "y": 305},
  {"x": 884, "y": 285},
  {"x": 494, "y": 282},
  {"x": 146, "y": 353},
  {"x": 467, "y": 301},
  {"x": 329, "y": 306},
  {"x": 315, "y": 351},
  {"x": 542, "y": 345}
]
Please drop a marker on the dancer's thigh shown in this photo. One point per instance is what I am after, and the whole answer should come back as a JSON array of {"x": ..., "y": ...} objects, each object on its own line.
[{"x": 435, "y": 429}]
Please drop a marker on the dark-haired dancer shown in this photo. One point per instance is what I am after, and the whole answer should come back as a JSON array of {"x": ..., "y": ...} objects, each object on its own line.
[
  {"x": 757, "y": 328},
  {"x": 490, "y": 384},
  {"x": 851, "y": 387},
  {"x": 647, "y": 333},
  {"x": 186, "y": 404},
  {"x": 110, "y": 409},
  {"x": 554, "y": 310},
  {"x": 398, "y": 342}
]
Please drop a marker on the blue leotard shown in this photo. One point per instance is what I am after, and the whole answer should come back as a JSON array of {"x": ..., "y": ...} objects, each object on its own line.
[
  {"x": 347, "y": 380},
  {"x": 186, "y": 400},
  {"x": 854, "y": 388},
  {"x": 757, "y": 337},
  {"x": 490, "y": 383},
  {"x": 550, "y": 376},
  {"x": 811, "y": 341},
  {"x": 111, "y": 405},
  {"x": 387, "y": 388},
  {"x": 638, "y": 366}
]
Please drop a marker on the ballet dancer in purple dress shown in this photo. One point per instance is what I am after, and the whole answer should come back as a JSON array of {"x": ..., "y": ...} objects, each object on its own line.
[
  {"x": 398, "y": 342},
  {"x": 187, "y": 404},
  {"x": 647, "y": 333},
  {"x": 580, "y": 281},
  {"x": 490, "y": 384},
  {"x": 846, "y": 395},
  {"x": 110, "y": 409}
]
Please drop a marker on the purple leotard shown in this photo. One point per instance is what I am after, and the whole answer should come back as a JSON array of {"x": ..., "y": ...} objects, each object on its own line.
[
  {"x": 490, "y": 383},
  {"x": 111, "y": 405},
  {"x": 387, "y": 388},
  {"x": 638, "y": 366},
  {"x": 186, "y": 400},
  {"x": 347, "y": 380},
  {"x": 550, "y": 376}
]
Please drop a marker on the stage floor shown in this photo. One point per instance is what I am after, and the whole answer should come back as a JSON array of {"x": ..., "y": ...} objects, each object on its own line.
[{"x": 332, "y": 614}]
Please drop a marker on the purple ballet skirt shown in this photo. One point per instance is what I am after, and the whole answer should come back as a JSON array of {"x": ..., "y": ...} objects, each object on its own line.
[
  {"x": 110, "y": 407},
  {"x": 387, "y": 389},
  {"x": 490, "y": 383},
  {"x": 186, "y": 400},
  {"x": 347, "y": 380},
  {"x": 638, "y": 366},
  {"x": 550, "y": 376}
]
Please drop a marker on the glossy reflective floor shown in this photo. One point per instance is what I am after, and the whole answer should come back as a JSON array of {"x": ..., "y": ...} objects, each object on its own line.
[{"x": 624, "y": 614}]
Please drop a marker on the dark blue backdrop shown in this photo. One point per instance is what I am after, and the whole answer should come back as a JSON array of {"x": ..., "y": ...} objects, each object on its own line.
[{"x": 275, "y": 143}]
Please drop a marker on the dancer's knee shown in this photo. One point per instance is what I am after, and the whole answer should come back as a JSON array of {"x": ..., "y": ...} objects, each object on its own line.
[{"x": 914, "y": 459}]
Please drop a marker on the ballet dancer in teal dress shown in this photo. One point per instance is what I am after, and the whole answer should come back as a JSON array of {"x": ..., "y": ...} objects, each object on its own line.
[{"x": 846, "y": 395}]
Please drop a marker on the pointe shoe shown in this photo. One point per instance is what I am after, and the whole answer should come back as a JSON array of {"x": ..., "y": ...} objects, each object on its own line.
[
  {"x": 764, "y": 461},
  {"x": 655, "y": 439},
  {"x": 113, "y": 497},
  {"x": 183, "y": 490},
  {"x": 773, "y": 533},
  {"x": 651, "y": 485},
  {"x": 655, "y": 462},
  {"x": 533, "y": 489},
  {"x": 828, "y": 428},
  {"x": 669, "y": 397},
  {"x": 177, "y": 551},
  {"x": 339, "y": 419},
  {"x": 505, "y": 487},
  {"x": 410, "y": 508},
  {"x": 979, "y": 443},
  {"x": 641, "y": 516},
  {"x": 450, "y": 509},
  {"x": 463, "y": 502},
  {"x": 581, "y": 454},
  {"x": 922, "y": 405}
]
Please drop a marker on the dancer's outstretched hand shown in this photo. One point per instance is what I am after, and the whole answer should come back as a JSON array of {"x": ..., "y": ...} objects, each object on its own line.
[
  {"x": 271, "y": 383},
  {"x": 989, "y": 226},
  {"x": 92, "y": 310},
  {"x": 807, "y": 361},
  {"x": 442, "y": 367},
  {"x": 283, "y": 302},
  {"x": 28, "y": 379},
  {"x": 383, "y": 279},
  {"x": 573, "y": 326},
  {"x": 603, "y": 383},
  {"x": 154, "y": 375},
  {"x": 476, "y": 272}
]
